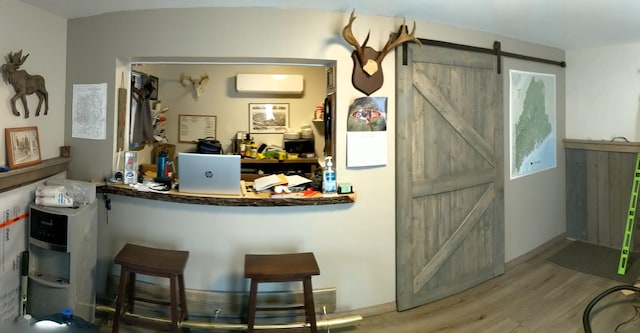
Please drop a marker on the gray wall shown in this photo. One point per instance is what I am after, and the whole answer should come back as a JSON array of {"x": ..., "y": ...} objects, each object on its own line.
[{"x": 354, "y": 244}]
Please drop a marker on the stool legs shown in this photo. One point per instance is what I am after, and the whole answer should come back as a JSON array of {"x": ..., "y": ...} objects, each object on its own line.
[
  {"x": 251, "y": 313},
  {"x": 183, "y": 298},
  {"x": 309, "y": 304},
  {"x": 119, "y": 301},
  {"x": 126, "y": 300},
  {"x": 174, "y": 304}
]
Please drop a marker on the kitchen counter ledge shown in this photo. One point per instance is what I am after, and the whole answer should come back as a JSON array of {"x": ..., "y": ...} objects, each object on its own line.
[{"x": 251, "y": 200}]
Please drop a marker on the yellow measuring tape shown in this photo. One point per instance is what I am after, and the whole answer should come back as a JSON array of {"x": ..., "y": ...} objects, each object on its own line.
[{"x": 628, "y": 232}]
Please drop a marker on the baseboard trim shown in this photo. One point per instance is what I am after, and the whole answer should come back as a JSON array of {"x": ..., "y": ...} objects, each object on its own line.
[
  {"x": 540, "y": 249},
  {"x": 230, "y": 306}
]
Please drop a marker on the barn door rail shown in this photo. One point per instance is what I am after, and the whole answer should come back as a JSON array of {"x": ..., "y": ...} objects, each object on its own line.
[{"x": 496, "y": 50}]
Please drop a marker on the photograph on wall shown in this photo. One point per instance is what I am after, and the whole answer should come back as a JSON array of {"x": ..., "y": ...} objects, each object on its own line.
[
  {"x": 367, "y": 114},
  {"x": 268, "y": 117},
  {"x": 532, "y": 122},
  {"x": 367, "y": 132}
]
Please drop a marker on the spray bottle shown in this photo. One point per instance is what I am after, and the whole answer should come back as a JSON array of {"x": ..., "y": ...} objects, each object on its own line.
[{"x": 329, "y": 185}]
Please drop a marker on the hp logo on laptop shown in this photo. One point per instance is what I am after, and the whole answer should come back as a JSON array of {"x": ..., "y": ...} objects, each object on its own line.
[{"x": 208, "y": 174}]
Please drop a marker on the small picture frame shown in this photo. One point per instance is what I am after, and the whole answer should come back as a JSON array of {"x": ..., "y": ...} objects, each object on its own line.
[
  {"x": 23, "y": 146},
  {"x": 154, "y": 84},
  {"x": 331, "y": 78},
  {"x": 268, "y": 117}
]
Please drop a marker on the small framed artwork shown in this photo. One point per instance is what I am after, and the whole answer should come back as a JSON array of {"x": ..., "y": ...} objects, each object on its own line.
[
  {"x": 268, "y": 117},
  {"x": 23, "y": 146},
  {"x": 154, "y": 87},
  {"x": 331, "y": 77}
]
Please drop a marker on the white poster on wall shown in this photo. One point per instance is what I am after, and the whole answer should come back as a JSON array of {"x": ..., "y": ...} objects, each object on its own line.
[{"x": 89, "y": 111}]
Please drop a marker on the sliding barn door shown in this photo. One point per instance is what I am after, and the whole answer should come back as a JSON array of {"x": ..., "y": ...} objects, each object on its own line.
[{"x": 449, "y": 173}]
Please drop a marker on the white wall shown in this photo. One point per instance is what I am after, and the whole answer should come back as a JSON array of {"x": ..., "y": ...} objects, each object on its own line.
[
  {"x": 603, "y": 92},
  {"x": 44, "y": 37},
  {"x": 355, "y": 244},
  {"x": 534, "y": 204}
]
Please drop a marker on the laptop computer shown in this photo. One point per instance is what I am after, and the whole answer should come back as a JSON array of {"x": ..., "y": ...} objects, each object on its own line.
[{"x": 209, "y": 173}]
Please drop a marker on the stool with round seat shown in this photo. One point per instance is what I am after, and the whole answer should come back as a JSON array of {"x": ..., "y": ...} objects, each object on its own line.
[
  {"x": 290, "y": 267},
  {"x": 136, "y": 259}
]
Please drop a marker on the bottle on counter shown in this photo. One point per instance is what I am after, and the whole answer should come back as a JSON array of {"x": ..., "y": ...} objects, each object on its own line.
[
  {"x": 162, "y": 167},
  {"x": 247, "y": 146},
  {"x": 251, "y": 149},
  {"x": 243, "y": 147},
  {"x": 329, "y": 184}
]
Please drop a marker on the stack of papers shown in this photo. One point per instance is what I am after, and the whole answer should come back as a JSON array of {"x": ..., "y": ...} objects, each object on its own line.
[{"x": 267, "y": 182}]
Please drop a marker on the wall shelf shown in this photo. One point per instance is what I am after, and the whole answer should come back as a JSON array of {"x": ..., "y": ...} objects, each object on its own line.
[{"x": 22, "y": 176}]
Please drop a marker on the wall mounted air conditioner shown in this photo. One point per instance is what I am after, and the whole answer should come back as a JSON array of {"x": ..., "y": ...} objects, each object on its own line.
[{"x": 270, "y": 83}]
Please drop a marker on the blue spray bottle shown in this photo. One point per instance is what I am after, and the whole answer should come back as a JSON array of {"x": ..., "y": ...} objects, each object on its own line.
[{"x": 329, "y": 185}]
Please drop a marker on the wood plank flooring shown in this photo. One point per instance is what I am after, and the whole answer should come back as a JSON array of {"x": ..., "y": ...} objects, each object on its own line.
[{"x": 532, "y": 296}]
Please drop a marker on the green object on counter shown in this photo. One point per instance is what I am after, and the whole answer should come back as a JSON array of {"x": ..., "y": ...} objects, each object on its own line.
[{"x": 345, "y": 188}]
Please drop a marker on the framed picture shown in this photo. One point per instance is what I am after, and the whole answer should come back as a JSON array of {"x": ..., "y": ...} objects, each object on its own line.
[
  {"x": 194, "y": 127},
  {"x": 268, "y": 117},
  {"x": 331, "y": 77},
  {"x": 23, "y": 146},
  {"x": 140, "y": 81},
  {"x": 154, "y": 85}
]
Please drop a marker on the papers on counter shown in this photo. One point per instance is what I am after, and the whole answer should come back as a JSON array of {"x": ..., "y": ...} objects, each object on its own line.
[
  {"x": 296, "y": 180},
  {"x": 267, "y": 182}
]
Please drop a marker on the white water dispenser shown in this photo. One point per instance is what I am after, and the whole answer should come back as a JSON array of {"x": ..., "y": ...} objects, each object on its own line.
[{"x": 62, "y": 260}]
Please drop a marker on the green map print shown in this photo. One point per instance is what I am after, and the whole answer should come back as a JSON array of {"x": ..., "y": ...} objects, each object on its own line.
[{"x": 533, "y": 126}]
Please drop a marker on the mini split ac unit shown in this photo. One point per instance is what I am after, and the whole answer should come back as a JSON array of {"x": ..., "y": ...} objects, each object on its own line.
[{"x": 270, "y": 83}]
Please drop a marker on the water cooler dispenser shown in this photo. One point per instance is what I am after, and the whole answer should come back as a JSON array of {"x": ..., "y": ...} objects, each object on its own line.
[{"x": 62, "y": 260}]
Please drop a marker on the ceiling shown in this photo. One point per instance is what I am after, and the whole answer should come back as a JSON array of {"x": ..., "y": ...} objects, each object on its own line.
[{"x": 565, "y": 24}]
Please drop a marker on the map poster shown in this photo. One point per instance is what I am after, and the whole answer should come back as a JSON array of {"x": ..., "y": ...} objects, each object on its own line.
[
  {"x": 89, "y": 111},
  {"x": 532, "y": 122}
]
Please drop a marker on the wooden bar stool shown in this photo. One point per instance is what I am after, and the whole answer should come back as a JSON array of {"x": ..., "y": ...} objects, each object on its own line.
[
  {"x": 281, "y": 268},
  {"x": 135, "y": 259}
]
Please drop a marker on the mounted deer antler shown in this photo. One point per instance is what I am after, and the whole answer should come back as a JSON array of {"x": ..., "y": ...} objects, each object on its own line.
[
  {"x": 198, "y": 86},
  {"x": 367, "y": 75},
  {"x": 24, "y": 84}
]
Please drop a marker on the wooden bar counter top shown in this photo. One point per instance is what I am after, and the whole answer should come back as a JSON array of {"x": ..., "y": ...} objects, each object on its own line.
[{"x": 251, "y": 199}]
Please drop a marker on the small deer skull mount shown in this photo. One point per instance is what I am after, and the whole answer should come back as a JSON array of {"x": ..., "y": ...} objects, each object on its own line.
[
  {"x": 195, "y": 86},
  {"x": 367, "y": 63},
  {"x": 24, "y": 84}
]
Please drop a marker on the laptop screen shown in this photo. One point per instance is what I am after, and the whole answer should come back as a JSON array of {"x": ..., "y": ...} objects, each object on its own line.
[{"x": 209, "y": 173}]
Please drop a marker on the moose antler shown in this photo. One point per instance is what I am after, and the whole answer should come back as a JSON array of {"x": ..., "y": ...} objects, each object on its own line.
[
  {"x": 351, "y": 39},
  {"x": 371, "y": 66},
  {"x": 17, "y": 59},
  {"x": 404, "y": 37},
  {"x": 198, "y": 85}
]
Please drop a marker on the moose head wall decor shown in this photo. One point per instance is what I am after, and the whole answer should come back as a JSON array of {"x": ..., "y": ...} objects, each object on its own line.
[
  {"x": 197, "y": 85},
  {"x": 24, "y": 84},
  {"x": 367, "y": 63}
]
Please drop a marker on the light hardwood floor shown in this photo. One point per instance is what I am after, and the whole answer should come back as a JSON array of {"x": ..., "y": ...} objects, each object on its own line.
[{"x": 532, "y": 296}]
